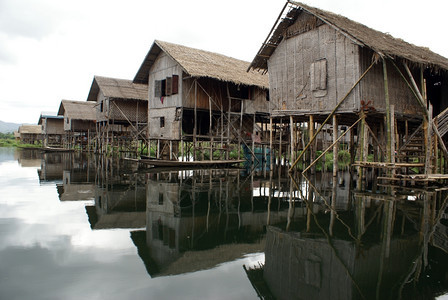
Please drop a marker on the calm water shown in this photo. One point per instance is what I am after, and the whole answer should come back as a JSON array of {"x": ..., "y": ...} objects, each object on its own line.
[{"x": 78, "y": 227}]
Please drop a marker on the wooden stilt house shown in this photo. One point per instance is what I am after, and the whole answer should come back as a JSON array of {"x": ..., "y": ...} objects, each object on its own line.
[
  {"x": 204, "y": 101},
  {"x": 30, "y": 134},
  {"x": 327, "y": 69},
  {"x": 121, "y": 113},
  {"x": 52, "y": 129},
  {"x": 79, "y": 124}
]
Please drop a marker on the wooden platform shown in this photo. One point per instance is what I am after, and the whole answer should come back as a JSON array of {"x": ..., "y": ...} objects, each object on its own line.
[{"x": 184, "y": 164}]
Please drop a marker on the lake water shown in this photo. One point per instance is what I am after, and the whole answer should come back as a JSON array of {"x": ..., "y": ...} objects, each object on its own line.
[{"x": 81, "y": 227}]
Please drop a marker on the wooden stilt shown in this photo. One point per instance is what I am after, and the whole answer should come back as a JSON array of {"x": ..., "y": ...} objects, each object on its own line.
[
  {"x": 311, "y": 134},
  {"x": 335, "y": 146}
]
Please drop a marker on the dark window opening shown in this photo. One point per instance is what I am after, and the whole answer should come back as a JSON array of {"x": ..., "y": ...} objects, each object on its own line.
[
  {"x": 175, "y": 84},
  {"x": 239, "y": 91},
  {"x": 160, "y": 198},
  {"x": 163, "y": 87},
  {"x": 162, "y": 122}
]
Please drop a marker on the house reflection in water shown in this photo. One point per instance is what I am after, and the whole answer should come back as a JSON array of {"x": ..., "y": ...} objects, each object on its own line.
[
  {"x": 198, "y": 219},
  {"x": 371, "y": 249},
  {"x": 120, "y": 197}
]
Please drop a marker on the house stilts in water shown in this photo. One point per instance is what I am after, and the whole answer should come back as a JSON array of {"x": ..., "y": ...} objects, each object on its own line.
[
  {"x": 391, "y": 96},
  {"x": 52, "y": 129},
  {"x": 202, "y": 105},
  {"x": 121, "y": 114},
  {"x": 79, "y": 124}
]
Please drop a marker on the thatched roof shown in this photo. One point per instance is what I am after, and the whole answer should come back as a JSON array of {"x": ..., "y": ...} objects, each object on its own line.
[
  {"x": 78, "y": 110},
  {"x": 30, "y": 129},
  {"x": 200, "y": 63},
  {"x": 117, "y": 88},
  {"x": 382, "y": 43}
]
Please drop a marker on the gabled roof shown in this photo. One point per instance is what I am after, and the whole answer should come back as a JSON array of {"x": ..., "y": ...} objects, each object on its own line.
[
  {"x": 78, "y": 110},
  {"x": 200, "y": 63},
  {"x": 117, "y": 88},
  {"x": 382, "y": 43},
  {"x": 30, "y": 129}
]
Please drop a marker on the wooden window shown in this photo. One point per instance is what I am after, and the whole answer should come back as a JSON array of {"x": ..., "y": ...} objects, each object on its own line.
[
  {"x": 162, "y": 122},
  {"x": 101, "y": 106},
  {"x": 169, "y": 86},
  {"x": 158, "y": 88},
  {"x": 318, "y": 75},
  {"x": 175, "y": 84}
]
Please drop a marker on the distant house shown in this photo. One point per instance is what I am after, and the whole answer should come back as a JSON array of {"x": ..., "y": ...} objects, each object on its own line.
[
  {"x": 121, "y": 112},
  {"x": 79, "y": 123},
  {"x": 52, "y": 129},
  {"x": 30, "y": 134},
  {"x": 199, "y": 98},
  {"x": 320, "y": 62}
]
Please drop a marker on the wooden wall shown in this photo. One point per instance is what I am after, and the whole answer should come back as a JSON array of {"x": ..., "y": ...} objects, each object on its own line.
[
  {"x": 372, "y": 87},
  {"x": 134, "y": 110},
  {"x": 164, "y": 67},
  {"x": 53, "y": 126},
  {"x": 172, "y": 123},
  {"x": 311, "y": 71}
]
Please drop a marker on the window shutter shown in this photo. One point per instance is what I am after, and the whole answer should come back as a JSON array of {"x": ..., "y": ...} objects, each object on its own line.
[
  {"x": 318, "y": 75},
  {"x": 175, "y": 84},
  {"x": 168, "y": 86},
  {"x": 158, "y": 88}
]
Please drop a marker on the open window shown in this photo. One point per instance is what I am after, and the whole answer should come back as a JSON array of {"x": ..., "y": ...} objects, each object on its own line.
[
  {"x": 162, "y": 122},
  {"x": 166, "y": 87}
]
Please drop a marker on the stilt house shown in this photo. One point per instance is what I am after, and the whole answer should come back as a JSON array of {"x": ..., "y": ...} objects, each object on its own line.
[
  {"x": 52, "y": 129},
  {"x": 203, "y": 100},
  {"x": 325, "y": 68},
  {"x": 121, "y": 113},
  {"x": 79, "y": 123},
  {"x": 30, "y": 134}
]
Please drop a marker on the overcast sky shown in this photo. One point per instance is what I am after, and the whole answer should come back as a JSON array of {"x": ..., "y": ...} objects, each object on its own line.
[{"x": 51, "y": 49}]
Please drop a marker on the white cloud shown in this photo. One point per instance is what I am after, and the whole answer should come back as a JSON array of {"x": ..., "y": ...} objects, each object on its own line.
[{"x": 50, "y": 49}]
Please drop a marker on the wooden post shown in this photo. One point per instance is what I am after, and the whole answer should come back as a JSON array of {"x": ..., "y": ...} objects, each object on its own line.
[
  {"x": 388, "y": 115},
  {"x": 195, "y": 118},
  {"x": 311, "y": 134},
  {"x": 270, "y": 145},
  {"x": 392, "y": 136},
  {"x": 292, "y": 140},
  {"x": 361, "y": 136},
  {"x": 335, "y": 146},
  {"x": 280, "y": 145}
]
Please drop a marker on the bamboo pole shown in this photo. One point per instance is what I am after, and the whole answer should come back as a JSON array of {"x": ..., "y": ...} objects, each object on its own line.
[
  {"x": 311, "y": 133},
  {"x": 388, "y": 116},
  {"x": 270, "y": 144},
  {"x": 421, "y": 101},
  {"x": 335, "y": 146},
  {"x": 331, "y": 114},
  {"x": 331, "y": 146}
]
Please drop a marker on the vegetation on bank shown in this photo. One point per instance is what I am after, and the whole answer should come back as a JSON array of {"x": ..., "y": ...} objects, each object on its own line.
[{"x": 8, "y": 140}]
